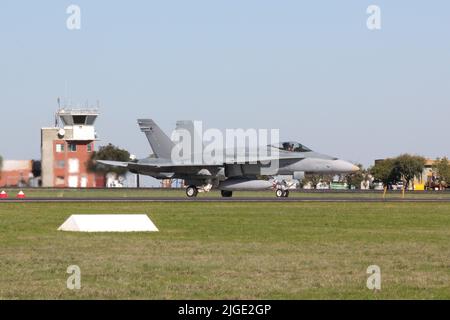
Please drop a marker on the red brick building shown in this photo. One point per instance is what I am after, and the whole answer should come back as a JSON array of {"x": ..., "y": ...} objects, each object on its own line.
[
  {"x": 66, "y": 149},
  {"x": 16, "y": 173}
]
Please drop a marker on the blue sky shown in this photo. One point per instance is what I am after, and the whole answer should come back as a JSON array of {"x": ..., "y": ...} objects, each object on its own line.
[{"x": 311, "y": 69}]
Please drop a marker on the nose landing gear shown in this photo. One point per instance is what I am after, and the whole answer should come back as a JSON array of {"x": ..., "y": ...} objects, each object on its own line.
[
  {"x": 280, "y": 193},
  {"x": 281, "y": 189}
]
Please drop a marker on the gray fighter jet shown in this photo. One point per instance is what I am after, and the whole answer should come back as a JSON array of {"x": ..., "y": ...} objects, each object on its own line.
[{"x": 249, "y": 171}]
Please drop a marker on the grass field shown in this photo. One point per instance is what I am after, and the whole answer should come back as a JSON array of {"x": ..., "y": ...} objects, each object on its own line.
[{"x": 230, "y": 250}]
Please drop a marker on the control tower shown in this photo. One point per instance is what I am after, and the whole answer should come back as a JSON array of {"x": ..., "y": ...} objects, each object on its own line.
[{"x": 67, "y": 147}]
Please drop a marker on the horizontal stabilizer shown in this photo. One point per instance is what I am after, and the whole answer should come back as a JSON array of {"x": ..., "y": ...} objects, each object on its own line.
[{"x": 114, "y": 163}]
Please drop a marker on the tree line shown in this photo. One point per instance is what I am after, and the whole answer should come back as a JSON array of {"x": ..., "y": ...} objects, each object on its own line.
[{"x": 403, "y": 168}]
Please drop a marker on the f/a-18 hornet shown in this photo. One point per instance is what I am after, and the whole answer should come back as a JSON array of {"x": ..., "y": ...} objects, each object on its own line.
[{"x": 233, "y": 169}]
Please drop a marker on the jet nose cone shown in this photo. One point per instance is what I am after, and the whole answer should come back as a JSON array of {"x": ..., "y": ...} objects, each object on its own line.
[{"x": 345, "y": 167}]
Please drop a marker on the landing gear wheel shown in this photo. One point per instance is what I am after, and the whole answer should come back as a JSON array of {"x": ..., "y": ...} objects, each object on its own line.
[
  {"x": 191, "y": 191},
  {"x": 226, "y": 193},
  {"x": 286, "y": 193},
  {"x": 279, "y": 193}
]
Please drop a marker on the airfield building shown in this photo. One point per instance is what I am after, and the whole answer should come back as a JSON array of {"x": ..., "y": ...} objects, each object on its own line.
[
  {"x": 66, "y": 149},
  {"x": 16, "y": 173}
]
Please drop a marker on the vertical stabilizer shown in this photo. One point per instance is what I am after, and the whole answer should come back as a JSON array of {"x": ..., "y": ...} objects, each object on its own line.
[{"x": 159, "y": 141}]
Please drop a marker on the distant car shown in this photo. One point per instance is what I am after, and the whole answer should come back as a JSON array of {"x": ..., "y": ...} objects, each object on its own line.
[
  {"x": 308, "y": 186},
  {"x": 322, "y": 186},
  {"x": 397, "y": 186},
  {"x": 378, "y": 185}
]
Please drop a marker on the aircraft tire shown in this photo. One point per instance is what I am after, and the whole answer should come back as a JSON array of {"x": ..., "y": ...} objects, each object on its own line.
[
  {"x": 226, "y": 193},
  {"x": 285, "y": 193},
  {"x": 279, "y": 193},
  {"x": 191, "y": 191}
]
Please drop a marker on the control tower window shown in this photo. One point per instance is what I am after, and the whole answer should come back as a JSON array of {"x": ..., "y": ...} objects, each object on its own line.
[
  {"x": 79, "y": 120},
  {"x": 72, "y": 147}
]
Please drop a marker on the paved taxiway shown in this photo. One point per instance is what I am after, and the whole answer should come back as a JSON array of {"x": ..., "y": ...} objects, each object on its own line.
[{"x": 223, "y": 200}]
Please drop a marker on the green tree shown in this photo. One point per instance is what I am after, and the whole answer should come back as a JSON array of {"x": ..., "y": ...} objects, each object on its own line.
[
  {"x": 355, "y": 178},
  {"x": 442, "y": 169},
  {"x": 1, "y": 165},
  {"x": 408, "y": 167},
  {"x": 383, "y": 170},
  {"x": 109, "y": 152}
]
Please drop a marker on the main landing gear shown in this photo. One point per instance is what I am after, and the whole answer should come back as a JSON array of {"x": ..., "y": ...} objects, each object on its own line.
[
  {"x": 226, "y": 193},
  {"x": 191, "y": 191}
]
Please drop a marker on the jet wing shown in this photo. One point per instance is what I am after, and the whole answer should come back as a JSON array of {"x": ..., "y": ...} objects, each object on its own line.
[
  {"x": 167, "y": 166},
  {"x": 161, "y": 164}
]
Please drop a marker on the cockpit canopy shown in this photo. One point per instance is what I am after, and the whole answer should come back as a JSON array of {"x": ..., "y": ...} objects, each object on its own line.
[{"x": 291, "y": 146}]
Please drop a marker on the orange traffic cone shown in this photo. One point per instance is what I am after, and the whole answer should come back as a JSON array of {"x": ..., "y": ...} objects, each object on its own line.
[
  {"x": 21, "y": 195},
  {"x": 3, "y": 195}
]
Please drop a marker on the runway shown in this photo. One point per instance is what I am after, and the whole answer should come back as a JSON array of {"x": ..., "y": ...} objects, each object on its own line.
[{"x": 224, "y": 200}]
